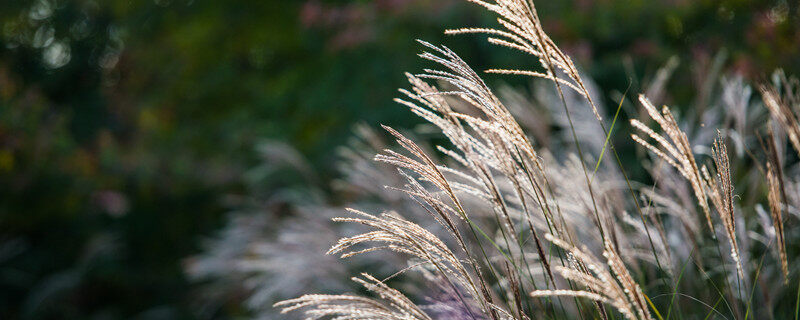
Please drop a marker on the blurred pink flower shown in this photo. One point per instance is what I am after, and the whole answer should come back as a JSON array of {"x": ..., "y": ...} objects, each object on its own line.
[{"x": 112, "y": 202}]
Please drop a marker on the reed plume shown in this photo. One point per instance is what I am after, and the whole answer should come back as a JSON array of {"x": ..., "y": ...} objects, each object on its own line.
[
  {"x": 396, "y": 234},
  {"x": 776, "y": 199},
  {"x": 523, "y": 31},
  {"x": 721, "y": 194},
  {"x": 393, "y": 305},
  {"x": 617, "y": 289},
  {"x": 782, "y": 113},
  {"x": 676, "y": 151}
]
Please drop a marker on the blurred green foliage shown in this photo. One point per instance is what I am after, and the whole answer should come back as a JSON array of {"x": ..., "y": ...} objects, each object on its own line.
[{"x": 123, "y": 124}]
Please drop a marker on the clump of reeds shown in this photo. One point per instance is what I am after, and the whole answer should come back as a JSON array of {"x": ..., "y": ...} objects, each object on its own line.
[{"x": 517, "y": 229}]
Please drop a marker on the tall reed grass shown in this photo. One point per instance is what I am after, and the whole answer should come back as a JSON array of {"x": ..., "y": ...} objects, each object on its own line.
[{"x": 512, "y": 220}]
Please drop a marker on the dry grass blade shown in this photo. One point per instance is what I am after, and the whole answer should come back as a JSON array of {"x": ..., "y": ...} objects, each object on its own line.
[
  {"x": 615, "y": 287},
  {"x": 781, "y": 112},
  {"x": 396, "y": 234},
  {"x": 392, "y": 306},
  {"x": 721, "y": 194},
  {"x": 677, "y": 153},
  {"x": 774, "y": 196},
  {"x": 630, "y": 287},
  {"x": 523, "y": 31},
  {"x": 422, "y": 165}
]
